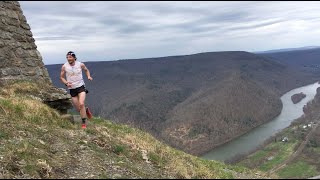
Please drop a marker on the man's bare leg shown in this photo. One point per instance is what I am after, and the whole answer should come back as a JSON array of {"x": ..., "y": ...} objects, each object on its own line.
[
  {"x": 75, "y": 102},
  {"x": 82, "y": 98}
]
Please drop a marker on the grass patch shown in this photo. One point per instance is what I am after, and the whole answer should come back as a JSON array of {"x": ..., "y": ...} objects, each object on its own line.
[
  {"x": 98, "y": 120},
  {"x": 6, "y": 104},
  {"x": 3, "y": 135},
  {"x": 316, "y": 149},
  {"x": 120, "y": 128},
  {"x": 91, "y": 131},
  {"x": 284, "y": 150},
  {"x": 260, "y": 155},
  {"x": 119, "y": 149},
  {"x": 155, "y": 158},
  {"x": 30, "y": 169},
  {"x": 298, "y": 169},
  {"x": 18, "y": 109},
  {"x": 279, "y": 150},
  {"x": 104, "y": 176}
]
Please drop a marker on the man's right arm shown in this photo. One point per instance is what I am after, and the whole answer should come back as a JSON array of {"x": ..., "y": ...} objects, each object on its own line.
[{"x": 62, "y": 75}]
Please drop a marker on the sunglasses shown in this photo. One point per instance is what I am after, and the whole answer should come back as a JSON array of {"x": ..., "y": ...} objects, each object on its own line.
[{"x": 71, "y": 53}]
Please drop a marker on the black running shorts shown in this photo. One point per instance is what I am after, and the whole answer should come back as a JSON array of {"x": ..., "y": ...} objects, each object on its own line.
[{"x": 76, "y": 91}]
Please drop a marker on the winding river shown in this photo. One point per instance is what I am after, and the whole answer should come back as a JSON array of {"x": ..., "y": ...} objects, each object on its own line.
[{"x": 257, "y": 136}]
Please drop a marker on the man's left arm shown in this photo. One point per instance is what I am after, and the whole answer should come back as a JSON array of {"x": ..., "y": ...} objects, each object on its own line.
[{"x": 86, "y": 70}]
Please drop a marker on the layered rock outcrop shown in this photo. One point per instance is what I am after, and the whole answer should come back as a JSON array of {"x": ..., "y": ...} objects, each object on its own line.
[{"x": 20, "y": 59}]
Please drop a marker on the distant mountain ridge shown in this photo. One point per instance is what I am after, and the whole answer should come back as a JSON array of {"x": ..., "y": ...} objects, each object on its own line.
[
  {"x": 307, "y": 60},
  {"x": 288, "y": 49}
]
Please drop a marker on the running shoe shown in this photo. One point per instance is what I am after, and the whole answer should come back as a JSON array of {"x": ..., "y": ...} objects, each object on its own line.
[
  {"x": 88, "y": 112},
  {"x": 84, "y": 126}
]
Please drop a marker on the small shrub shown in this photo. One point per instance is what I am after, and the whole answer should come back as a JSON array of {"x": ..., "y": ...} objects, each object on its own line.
[
  {"x": 155, "y": 158},
  {"x": 118, "y": 149},
  {"x": 3, "y": 135}
]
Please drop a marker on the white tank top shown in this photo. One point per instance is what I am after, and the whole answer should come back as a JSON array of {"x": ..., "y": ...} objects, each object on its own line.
[{"x": 74, "y": 74}]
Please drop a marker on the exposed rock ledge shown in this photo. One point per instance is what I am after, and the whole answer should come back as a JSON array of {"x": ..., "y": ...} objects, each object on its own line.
[{"x": 58, "y": 98}]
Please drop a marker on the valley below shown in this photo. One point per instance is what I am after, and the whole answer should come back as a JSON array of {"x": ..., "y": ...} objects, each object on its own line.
[{"x": 194, "y": 103}]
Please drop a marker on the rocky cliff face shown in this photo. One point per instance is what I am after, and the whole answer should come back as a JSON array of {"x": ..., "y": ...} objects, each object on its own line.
[{"x": 20, "y": 59}]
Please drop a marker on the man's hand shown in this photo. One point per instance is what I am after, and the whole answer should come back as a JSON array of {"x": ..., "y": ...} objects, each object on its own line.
[
  {"x": 90, "y": 78},
  {"x": 69, "y": 84}
]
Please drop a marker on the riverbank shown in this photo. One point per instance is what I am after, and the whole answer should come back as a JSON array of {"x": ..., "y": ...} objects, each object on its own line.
[{"x": 242, "y": 134}]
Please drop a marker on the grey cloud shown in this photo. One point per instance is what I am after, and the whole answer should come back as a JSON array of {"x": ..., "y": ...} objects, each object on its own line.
[
  {"x": 213, "y": 22},
  {"x": 166, "y": 10},
  {"x": 133, "y": 28},
  {"x": 124, "y": 26},
  {"x": 55, "y": 38},
  {"x": 246, "y": 27},
  {"x": 122, "y": 23},
  {"x": 235, "y": 16},
  {"x": 122, "y": 17},
  {"x": 61, "y": 8}
]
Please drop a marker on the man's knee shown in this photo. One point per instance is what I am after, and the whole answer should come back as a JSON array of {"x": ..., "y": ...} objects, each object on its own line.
[{"x": 81, "y": 105}]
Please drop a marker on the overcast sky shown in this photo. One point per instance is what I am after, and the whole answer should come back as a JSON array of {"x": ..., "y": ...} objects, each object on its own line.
[{"x": 110, "y": 30}]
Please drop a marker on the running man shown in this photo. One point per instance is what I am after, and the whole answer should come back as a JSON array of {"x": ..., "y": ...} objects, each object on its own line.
[{"x": 72, "y": 70}]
